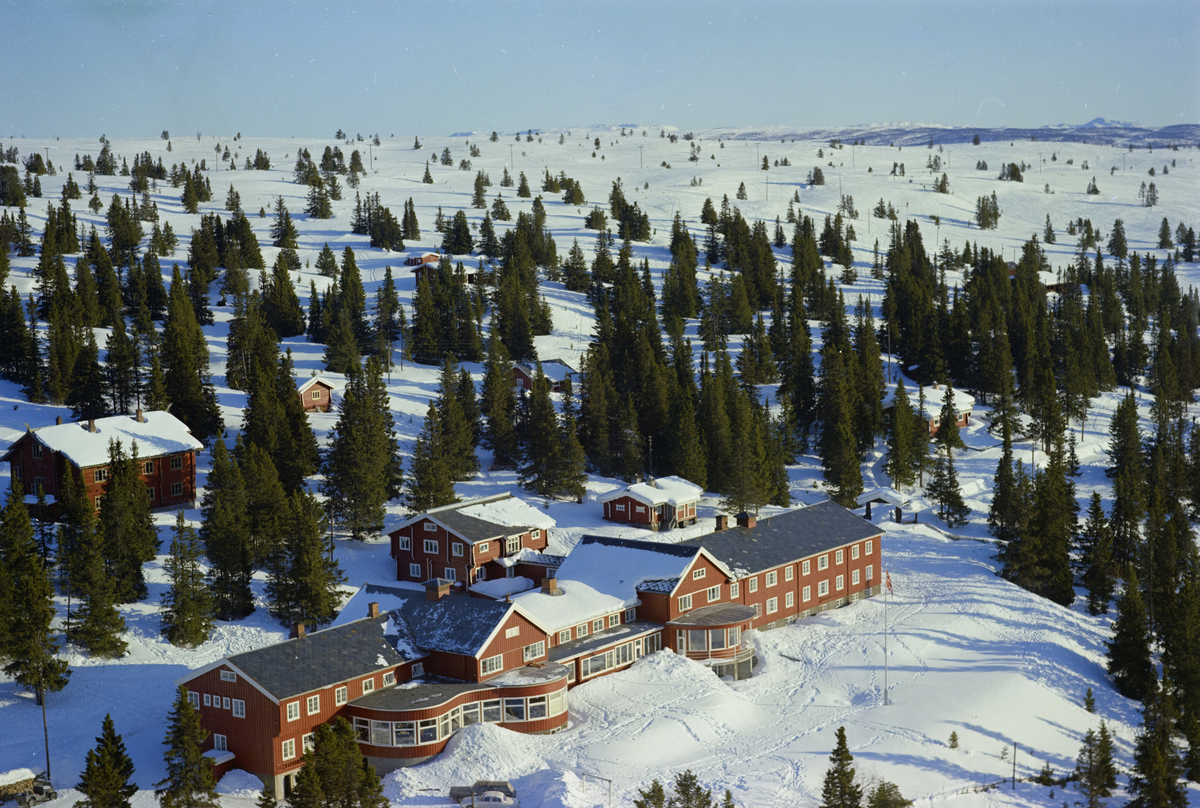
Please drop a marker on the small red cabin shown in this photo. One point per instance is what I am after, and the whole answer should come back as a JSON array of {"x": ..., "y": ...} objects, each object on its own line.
[
  {"x": 556, "y": 370},
  {"x": 316, "y": 394}
]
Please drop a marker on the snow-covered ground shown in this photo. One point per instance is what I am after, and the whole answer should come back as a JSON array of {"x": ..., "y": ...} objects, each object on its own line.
[{"x": 968, "y": 652}]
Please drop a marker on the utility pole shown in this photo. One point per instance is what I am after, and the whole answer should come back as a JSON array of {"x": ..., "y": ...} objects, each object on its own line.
[
  {"x": 1014, "y": 777},
  {"x": 640, "y": 158},
  {"x": 511, "y": 167}
]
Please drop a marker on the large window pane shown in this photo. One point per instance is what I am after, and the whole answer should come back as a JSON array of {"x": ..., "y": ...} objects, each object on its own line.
[
  {"x": 381, "y": 733},
  {"x": 362, "y": 729},
  {"x": 697, "y": 640},
  {"x": 537, "y": 707},
  {"x": 514, "y": 709},
  {"x": 491, "y": 711},
  {"x": 405, "y": 733},
  {"x": 470, "y": 714},
  {"x": 557, "y": 701},
  {"x": 716, "y": 639},
  {"x": 428, "y": 730}
]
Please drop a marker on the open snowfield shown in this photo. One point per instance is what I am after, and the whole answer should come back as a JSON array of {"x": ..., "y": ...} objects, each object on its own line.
[{"x": 968, "y": 652}]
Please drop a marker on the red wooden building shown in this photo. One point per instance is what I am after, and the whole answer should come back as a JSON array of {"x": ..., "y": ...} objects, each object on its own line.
[
  {"x": 417, "y": 259},
  {"x": 316, "y": 394},
  {"x": 660, "y": 504},
  {"x": 556, "y": 370},
  {"x": 964, "y": 405},
  {"x": 469, "y": 541},
  {"x": 165, "y": 450}
]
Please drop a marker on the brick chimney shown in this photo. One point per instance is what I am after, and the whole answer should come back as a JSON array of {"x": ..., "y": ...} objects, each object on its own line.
[
  {"x": 373, "y": 609},
  {"x": 722, "y": 521},
  {"x": 297, "y": 632},
  {"x": 550, "y": 586},
  {"x": 91, "y": 425},
  {"x": 746, "y": 520},
  {"x": 437, "y": 589},
  {"x": 141, "y": 416}
]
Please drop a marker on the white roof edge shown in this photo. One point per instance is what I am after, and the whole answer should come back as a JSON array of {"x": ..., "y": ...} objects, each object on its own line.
[
  {"x": 224, "y": 662},
  {"x": 313, "y": 381}
]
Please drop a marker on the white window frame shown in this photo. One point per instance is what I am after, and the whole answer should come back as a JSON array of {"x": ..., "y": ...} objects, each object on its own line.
[
  {"x": 405, "y": 543},
  {"x": 714, "y": 593},
  {"x": 840, "y": 582},
  {"x": 308, "y": 742},
  {"x": 823, "y": 589},
  {"x": 772, "y": 605},
  {"x": 220, "y": 744},
  {"x": 735, "y": 590},
  {"x": 176, "y": 489},
  {"x": 37, "y": 451},
  {"x": 823, "y": 561},
  {"x": 534, "y": 651},
  {"x": 788, "y": 572},
  {"x": 870, "y": 573},
  {"x": 512, "y": 545},
  {"x": 316, "y": 395},
  {"x": 430, "y": 527},
  {"x": 805, "y": 567},
  {"x": 839, "y": 557},
  {"x": 564, "y": 636},
  {"x": 869, "y": 546},
  {"x": 484, "y": 547},
  {"x": 789, "y": 600},
  {"x": 752, "y": 584},
  {"x": 228, "y": 676},
  {"x": 293, "y": 711},
  {"x": 854, "y": 578},
  {"x": 854, "y": 553},
  {"x": 148, "y": 467},
  {"x": 621, "y": 508},
  {"x": 414, "y": 570},
  {"x": 226, "y": 703},
  {"x": 772, "y": 578},
  {"x": 685, "y": 603},
  {"x": 450, "y": 574},
  {"x": 341, "y": 696},
  {"x": 289, "y": 749},
  {"x": 418, "y": 670},
  {"x": 536, "y": 534},
  {"x": 630, "y": 615},
  {"x": 368, "y": 685},
  {"x": 239, "y": 708},
  {"x": 757, "y": 610},
  {"x": 806, "y": 594},
  {"x": 176, "y": 463},
  {"x": 698, "y": 574},
  {"x": 312, "y": 705},
  {"x": 582, "y": 630},
  {"x": 389, "y": 678},
  {"x": 207, "y": 700},
  {"x": 511, "y": 631},
  {"x": 598, "y": 626},
  {"x": 456, "y": 549},
  {"x": 431, "y": 546},
  {"x": 193, "y": 698},
  {"x": 492, "y": 664},
  {"x": 99, "y": 475},
  {"x": 614, "y": 620}
]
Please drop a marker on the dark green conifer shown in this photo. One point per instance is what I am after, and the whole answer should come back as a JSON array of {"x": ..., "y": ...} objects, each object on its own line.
[
  {"x": 1156, "y": 780},
  {"x": 104, "y": 781},
  {"x": 130, "y": 537},
  {"x": 189, "y": 782},
  {"x": 224, "y": 530},
  {"x": 1129, "y": 661},
  {"x": 429, "y": 483},
  {"x": 187, "y": 605},
  {"x": 499, "y": 407},
  {"x": 309, "y": 588},
  {"x": 1095, "y": 550},
  {"x": 840, "y": 789},
  {"x": 458, "y": 430}
]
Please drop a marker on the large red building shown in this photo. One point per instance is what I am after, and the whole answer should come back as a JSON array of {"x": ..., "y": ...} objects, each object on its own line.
[{"x": 165, "y": 449}]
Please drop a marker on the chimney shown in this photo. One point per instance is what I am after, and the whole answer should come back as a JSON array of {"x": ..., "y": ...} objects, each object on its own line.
[
  {"x": 746, "y": 520},
  {"x": 722, "y": 521},
  {"x": 436, "y": 589},
  {"x": 91, "y": 425},
  {"x": 550, "y": 586},
  {"x": 58, "y": 420},
  {"x": 297, "y": 632},
  {"x": 373, "y": 609},
  {"x": 141, "y": 416}
]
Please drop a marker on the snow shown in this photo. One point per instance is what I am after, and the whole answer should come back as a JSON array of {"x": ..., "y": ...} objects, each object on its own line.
[
  {"x": 961, "y": 399},
  {"x": 578, "y": 603},
  {"x": 615, "y": 571},
  {"x": 511, "y": 512},
  {"x": 239, "y": 783},
  {"x": 968, "y": 651},
  {"x": 160, "y": 434},
  {"x": 389, "y": 596},
  {"x": 499, "y": 587},
  {"x": 18, "y": 775},
  {"x": 660, "y": 491}
]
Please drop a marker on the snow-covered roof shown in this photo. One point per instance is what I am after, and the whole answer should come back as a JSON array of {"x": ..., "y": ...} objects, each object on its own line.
[
  {"x": 499, "y": 587},
  {"x": 485, "y": 518},
  {"x": 578, "y": 603},
  {"x": 963, "y": 401},
  {"x": 886, "y": 495},
  {"x": 556, "y": 370},
  {"x": 615, "y": 567},
  {"x": 158, "y": 435},
  {"x": 314, "y": 380},
  {"x": 663, "y": 490},
  {"x": 509, "y": 512}
]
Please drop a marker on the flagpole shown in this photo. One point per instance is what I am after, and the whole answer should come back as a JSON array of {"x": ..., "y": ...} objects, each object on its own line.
[{"x": 886, "y": 598}]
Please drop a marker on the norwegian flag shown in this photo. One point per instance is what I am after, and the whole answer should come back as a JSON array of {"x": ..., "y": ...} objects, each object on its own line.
[{"x": 887, "y": 576}]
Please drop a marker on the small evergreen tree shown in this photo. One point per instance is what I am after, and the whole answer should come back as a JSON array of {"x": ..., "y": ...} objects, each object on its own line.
[
  {"x": 1094, "y": 770},
  {"x": 1156, "y": 780},
  {"x": 840, "y": 789},
  {"x": 1095, "y": 542},
  {"x": 430, "y": 484},
  {"x": 1129, "y": 661},
  {"x": 187, "y": 613},
  {"x": 189, "y": 782},
  {"x": 337, "y": 773},
  {"x": 104, "y": 780}
]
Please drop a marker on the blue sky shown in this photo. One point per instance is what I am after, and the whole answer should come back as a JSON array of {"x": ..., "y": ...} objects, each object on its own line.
[{"x": 432, "y": 68}]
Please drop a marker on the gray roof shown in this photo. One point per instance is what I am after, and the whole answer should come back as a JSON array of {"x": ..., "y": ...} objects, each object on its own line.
[
  {"x": 787, "y": 537},
  {"x": 625, "y": 632},
  {"x": 720, "y": 614},
  {"x": 322, "y": 658},
  {"x": 660, "y": 585},
  {"x": 677, "y": 549},
  {"x": 457, "y": 624}
]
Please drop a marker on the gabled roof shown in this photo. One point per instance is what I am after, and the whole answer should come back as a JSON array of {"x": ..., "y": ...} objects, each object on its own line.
[
  {"x": 963, "y": 401},
  {"x": 159, "y": 434},
  {"x": 672, "y": 490},
  {"x": 618, "y": 567},
  {"x": 314, "y": 380},
  {"x": 787, "y": 537},
  {"x": 576, "y": 603},
  {"x": 485, "y": 518},
  {"x": 553, "y": 369},
  {"x": 320, "y": 659}
]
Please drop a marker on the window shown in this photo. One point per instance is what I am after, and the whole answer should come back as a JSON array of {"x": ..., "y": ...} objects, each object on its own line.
[
  {"x": 150, "y": 494},
  {"x": 405, "y": 733},
  {"x": 806, "y": 594},
  {"x": 614, "y": 620},
  {"x": 867, "y": 549},
  {"x": 581, "y": 630},
  {"x": 854, "y": 578},
  {"x": 869, "y": 573},
  {"x": 491, "y": 711},
  {"x": 339, "y": 696},
  {"x": 641, "y": 508},
  {"x": 316, "y": 395},
  {"x": 535, "y": 651},
  {"x": 381, "y": 733},
  {"x": 734, "y": 637},
  {"x": 735, "y": 590},
  {"x": 404, "y": 543},
  {"x": 456, "y": 548},
  {"x": 840, "y": 582},
  {"x": 239, "y": 708},
  {"x": 714, "y": 594},
  {"x": 427, "y": 730},
  {"x": 772, "y": 605},
  {"x": 219, "y": 743},
  {"x": 823, "y": 562},
  {"x": 37, "y": 451},
  {"x": 787, "y": 572},
  {"x": 289, "y": 749},
  {"x": 207, "y": 700},
  {"x": 854, "y": 552},
  {"x": 493, "y": 664},
  {"x": 414, "y": 570},
  {"x": 698, "y": 574},
  {"x": 37, "y": 484},
  {"x": 308, "y": 742},
  {"x": 537, "y": 534},
  {"x": 512, "y": 545},
  {"x": 314, "y": 705},
  {"x": 148, "y": 467},
  {"x": 514, "y": 709},
  {"x": 470, "y": 714},
  {"x": 293, "y": 711},
  {"x": 99, "y": 475},
  {"x": 685, "y": 603},
  {"x": 839, "y": 557},
  {"x": 752, "y": 584},
  {"x": 511, "y": 632},
  {"x": 484, "y": 547},
  {"x": 228, "y": 676},
  {"x": 772, "y": 578},
  {"x": 430, "y": 527},
  {"x": 418, "y": 670},
  {"x": 449, "y": 574},
  {"x": 806, "y": 568},
  {"x": 598, "y": 625},
  {"x": 620, "y": 508},
  {"x": 564, "y": 636},
  {"x": 362, "y": 729},
  {"x": 176, "y": 463},
  {"x": 225, "y": 703},
  {"x": 822, "y": 589},
  {"x": 716, "y": 639},
  {"x": 389, "y": 678},
  {"x": 789, "y": 600},
  {"x": 558, "y": 701},
  {"x": 176, "y": 489},
  {"x": 758, "y": 610},
  {"x": 431, "y": 546},
  {"x": 368, "y": 685},
  {"x": 630, "y": 615}
]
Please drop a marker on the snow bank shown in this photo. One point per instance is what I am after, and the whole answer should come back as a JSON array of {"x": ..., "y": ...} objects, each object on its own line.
[
  {"x": 17, "y": 775},
  {"x": 239, "y": 783},
  {"x": 499, "y": 587},
  {"x": 477, "y": 752}
]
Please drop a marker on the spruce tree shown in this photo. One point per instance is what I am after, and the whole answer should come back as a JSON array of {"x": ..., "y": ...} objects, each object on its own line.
[
  {"x": 189, "y": 782},
  {"x": 901, "y": 424},
  {"x": 943, "y": 489},
  {"x": 104, "y": 781},
  {"x": 540, "y": 443},
  {"x": 1095, "y": 546},
  {"x": 1129, "y": 661},
  {"x": 186, "y": 374},
  {"x": 1094, "y": 770},
  {"x": 1156, "y": 780},
  {"x": 840, "y": 789},
  {"x": 837, "y": 446},
  {"x": 99, "y": 625},
  {"x": 571, "y": 470},
  {"x": 130, "y": 537},
  {"x": 337, "y": 773},
  {"x": 457, "y": 427},
  {"x": 430, "y": 484},
  {"x": 224, "y": 530},
  {"x": 86, "y": 395},
  {"x": 187, "y": 605},
  {"x": 308, "y": 590},
  {"x": 342, "y": 352},
  {"x": 499, "y": 407}
]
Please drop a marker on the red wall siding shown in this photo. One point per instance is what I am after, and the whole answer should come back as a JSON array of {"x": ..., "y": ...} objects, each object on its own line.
[
  {"x": 512, "y": 647},
  {"x": 252, "y": 738}
]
